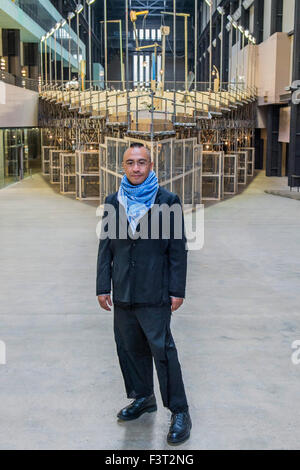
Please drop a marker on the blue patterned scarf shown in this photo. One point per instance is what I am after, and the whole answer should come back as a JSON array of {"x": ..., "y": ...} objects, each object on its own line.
[{"x": 137, "y": 199}]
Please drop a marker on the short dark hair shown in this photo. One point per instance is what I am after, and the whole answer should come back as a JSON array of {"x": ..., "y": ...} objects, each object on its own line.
[{"x": 136, "y": 145}]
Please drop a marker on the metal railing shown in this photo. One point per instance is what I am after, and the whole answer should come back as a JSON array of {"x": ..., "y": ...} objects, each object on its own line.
[
  {"x": 177, "y": 106},
  {"x": 23, "y": 82}
]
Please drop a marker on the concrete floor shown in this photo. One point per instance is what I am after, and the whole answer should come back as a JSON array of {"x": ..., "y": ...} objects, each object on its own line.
[{"x": 61, "y": 386}]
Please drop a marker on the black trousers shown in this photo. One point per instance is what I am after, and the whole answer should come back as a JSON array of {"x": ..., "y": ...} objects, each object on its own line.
[{"x": 141, "y": 334}]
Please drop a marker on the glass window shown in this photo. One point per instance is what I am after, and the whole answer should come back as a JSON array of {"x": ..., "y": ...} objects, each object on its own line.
[
  {"x": 19, "y": 150},
  {"x": 159, "y": 68},
  {"x": 39, "y": 13},
  {"x": 141, "y": 69},
  {"x": 147, "y": 70},
  {"x": 135, "y": 69}
]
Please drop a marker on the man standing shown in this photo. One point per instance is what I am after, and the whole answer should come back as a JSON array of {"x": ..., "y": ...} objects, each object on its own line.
[{"x": 148, "y": 276}]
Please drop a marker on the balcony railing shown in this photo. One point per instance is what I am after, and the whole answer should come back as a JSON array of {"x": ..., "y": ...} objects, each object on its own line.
[{"x": 23, "y": 82}]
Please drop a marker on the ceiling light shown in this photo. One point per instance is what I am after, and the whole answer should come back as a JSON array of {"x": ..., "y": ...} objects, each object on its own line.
[
  {"x": 247, "y": 4},
  {"x": 79, "y": 8}
]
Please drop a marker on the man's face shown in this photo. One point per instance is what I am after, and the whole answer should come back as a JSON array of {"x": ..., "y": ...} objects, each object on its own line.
[{"x": 137, "y": 164}]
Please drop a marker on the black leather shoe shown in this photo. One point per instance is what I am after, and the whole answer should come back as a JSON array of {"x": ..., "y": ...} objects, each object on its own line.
[
  {"x": 137, "y": 408},
  {"x": 181, "y": 425}
]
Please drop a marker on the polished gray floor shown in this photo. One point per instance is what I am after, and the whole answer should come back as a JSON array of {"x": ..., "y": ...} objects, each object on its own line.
[{"x": 61, "y": 385}]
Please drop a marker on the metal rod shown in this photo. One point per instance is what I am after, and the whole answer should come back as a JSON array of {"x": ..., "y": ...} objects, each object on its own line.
[
  {"x": 186, "y": 51},
  {"x": 46, "y": 77},
  {"x": 50, "y": 65},
  {"x": 90, "y": 45},
  {"x": 196, "y": 41},
  {"x": 163, "y": 61},
  {"x": 105, "y": 40},
  {"x": 78, "y": 61},
  {"x": 251, "y": 63},
  {"x": 41, "y": 48},
  {"x": 230, "y": 56},
  {"x": 221, "y": 51},
  {"x": 121, "y": 56},
  {"x": 237, "y": 57},
  {"x": 254, "y": 67},
  {"x": 185, "y": 15},
  {"x": 152, "y": 122},
  {"x": 55, "y": 66},
  {"x": 69, "y": 49},
  {"x": 243, "y": 58},
  {"x": 122, "y": 71},
  {"x": 174, "y": 43},
  {"x": 248, "y": 65},
  {"x": 210, "y": 45},
  {"x": 62, "y": 62},
  {"x": 127, "y": 58}
]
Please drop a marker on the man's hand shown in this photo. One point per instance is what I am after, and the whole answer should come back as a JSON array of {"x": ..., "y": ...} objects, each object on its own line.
[
  {"x": 105, "y": 301},
  {"x": 176, "y": 303}
]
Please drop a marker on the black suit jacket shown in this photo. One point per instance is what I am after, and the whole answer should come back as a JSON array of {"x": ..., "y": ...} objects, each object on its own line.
[{"x": 142, "y": 271}]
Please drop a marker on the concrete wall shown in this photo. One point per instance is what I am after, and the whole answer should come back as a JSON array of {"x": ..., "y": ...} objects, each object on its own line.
[
  {"x": 18, "y": 106},
  {"x": 267, "y": 18},
  {"x": 287, "y": 20},
  {"x": 285, "y": 125},
  {"x": 246, "y": 59},
  {"x": 273, "y": 68},
  {"x": 288, "y": 15},
  {"x": 265, "y": 139},
  {"x": 283, "y": 64}
]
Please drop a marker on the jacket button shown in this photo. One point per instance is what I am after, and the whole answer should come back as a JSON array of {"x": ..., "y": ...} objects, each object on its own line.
[{"x": 132, "y": 263}]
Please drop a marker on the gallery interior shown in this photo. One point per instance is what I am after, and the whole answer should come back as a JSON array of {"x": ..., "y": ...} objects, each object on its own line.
[
  {"x": 216, "y": 80},
  {"x": 212, "y": 89}
]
